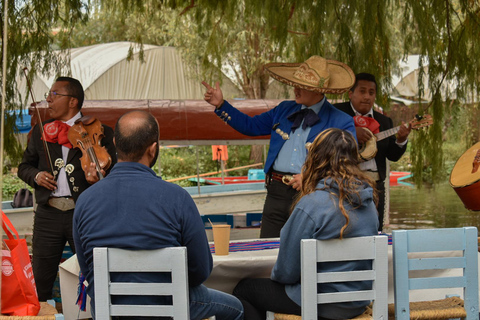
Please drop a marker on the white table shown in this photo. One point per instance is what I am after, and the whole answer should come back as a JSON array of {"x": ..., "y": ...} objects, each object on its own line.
[{"x": 229, "y": 270}]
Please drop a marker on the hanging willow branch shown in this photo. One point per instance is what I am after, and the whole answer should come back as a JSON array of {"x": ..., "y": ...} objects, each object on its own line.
[{"x": 370, "y": 36}]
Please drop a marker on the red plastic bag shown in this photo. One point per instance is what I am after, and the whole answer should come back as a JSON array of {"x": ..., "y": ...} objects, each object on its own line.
[{"x": 19, "y": 293}]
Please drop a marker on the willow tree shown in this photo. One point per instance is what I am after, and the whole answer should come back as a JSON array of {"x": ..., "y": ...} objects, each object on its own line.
[
  {"x": 367, "y": 35},
  {"x": 31, "y": 29}
]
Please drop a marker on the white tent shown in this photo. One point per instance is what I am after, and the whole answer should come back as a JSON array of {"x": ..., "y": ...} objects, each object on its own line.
[
  {"x": 106, "y": 74},
  {"x": 406, "y": 82}
]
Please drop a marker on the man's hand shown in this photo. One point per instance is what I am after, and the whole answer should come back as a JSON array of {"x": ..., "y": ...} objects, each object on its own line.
[
  {"x": 46, "y": 180},
  {"x": 91, "y": 173},
  {"x": 403, "y": 132},
  {"x": 363, "y": 135},
  {"x": 296, "y": 182},
  {"x": 214, "y": 96}
]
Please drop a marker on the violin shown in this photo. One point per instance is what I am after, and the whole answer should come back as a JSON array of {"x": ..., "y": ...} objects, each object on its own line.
[{"x": 86, "y": 134}]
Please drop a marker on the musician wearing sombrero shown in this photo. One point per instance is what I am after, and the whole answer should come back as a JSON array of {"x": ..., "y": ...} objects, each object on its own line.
[
  {"x": 360, "y": 107},
  {"x": 292, "y": 126}
]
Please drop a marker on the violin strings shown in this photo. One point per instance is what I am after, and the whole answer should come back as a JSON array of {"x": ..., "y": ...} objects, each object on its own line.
[{"x": 91, "y": 153}]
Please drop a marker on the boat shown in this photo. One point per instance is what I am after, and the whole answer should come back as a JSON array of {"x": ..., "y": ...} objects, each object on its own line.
[
  {"x": 225, "y": 180},
  {"x": 232, "y": 199},
  {"x": 183, "y": 122},
  {"x": 397, "y": 178}
]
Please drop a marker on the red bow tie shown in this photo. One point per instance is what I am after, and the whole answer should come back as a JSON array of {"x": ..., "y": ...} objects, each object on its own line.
[
  {"x": 57, "y": 132},
  {"x": 367, "y": 122}
]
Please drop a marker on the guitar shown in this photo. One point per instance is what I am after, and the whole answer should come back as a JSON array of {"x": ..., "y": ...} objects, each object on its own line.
[
  {"x": 369, "y": 149},
  {"x": 465, "y": 178}
]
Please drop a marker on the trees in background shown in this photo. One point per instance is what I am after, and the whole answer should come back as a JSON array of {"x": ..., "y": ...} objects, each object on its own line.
[
  {"x": 32, "y": 36},
  {"x": 240, "y": 36}
]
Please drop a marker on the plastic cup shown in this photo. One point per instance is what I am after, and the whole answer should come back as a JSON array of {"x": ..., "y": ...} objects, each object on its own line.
[{"x": 221, "y": 238}]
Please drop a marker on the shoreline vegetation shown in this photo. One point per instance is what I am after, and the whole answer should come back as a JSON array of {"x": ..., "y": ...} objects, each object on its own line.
[{"x": 180, "y": 161}]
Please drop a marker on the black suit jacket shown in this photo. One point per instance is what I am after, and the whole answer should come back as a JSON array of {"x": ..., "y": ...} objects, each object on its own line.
[
  {"x": 35, "y": 160},
  {"x": 386, "y": 148}
]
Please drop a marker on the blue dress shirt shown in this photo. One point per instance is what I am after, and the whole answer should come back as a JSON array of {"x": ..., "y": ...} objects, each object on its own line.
[{"x": 294, "y": 152}]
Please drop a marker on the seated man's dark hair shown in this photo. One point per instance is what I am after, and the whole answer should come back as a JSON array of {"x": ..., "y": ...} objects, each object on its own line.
[
  {"x": 363, "y": 76},
  {"x": 133, "y": 138},
  {"x": 74, "y": 89}
]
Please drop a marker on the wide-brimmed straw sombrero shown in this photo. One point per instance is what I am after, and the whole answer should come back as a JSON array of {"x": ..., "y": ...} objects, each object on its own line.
[{"x": 316, "y": 74}]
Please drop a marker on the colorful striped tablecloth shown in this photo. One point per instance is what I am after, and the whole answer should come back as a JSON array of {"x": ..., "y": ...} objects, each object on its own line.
[
  {"x": 250, "y": 245},
  {"x": 263, "y": 245}
]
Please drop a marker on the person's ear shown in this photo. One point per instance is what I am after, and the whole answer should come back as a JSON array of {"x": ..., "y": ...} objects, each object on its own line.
[
  {"x": 152, "y": 150},
  {"x": 73, "y": 103}
]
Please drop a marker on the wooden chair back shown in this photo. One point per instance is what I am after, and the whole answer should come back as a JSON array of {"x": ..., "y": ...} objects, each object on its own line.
[
  {"x": 373, "y": 248},
  {"x": 171, "y": 260},
  {"x": 423, "y": 241}
]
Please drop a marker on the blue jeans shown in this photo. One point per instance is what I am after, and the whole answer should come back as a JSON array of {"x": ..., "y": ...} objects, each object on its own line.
[{"x": 206, "y": 302}]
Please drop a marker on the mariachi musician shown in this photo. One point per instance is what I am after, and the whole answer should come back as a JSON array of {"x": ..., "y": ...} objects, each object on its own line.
[
  {"x": 362, "y": 96},
  {"x": 53, "y": 168}
]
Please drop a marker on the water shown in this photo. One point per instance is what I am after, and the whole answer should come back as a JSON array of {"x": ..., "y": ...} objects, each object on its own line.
[{"x": 439, "y": 207}]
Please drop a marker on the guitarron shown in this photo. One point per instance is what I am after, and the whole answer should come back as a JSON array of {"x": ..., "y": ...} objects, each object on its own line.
[{"x": 465, "y": 178}]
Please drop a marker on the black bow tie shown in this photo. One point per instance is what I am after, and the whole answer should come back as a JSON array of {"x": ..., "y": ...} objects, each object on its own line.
[{"x": 308, "y": 116}]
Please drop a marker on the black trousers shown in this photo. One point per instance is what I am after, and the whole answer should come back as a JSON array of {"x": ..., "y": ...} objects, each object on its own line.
[
  {"x": 261, "y": 295},
  {"x": 52, "y": 228},
  {"x": 381, "y": 203},
  {"x": 276, "y": 209}
]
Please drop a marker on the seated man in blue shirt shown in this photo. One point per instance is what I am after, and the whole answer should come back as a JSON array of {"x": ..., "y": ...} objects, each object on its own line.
[
  {"x": 292, "y": 126},
  {"x": 133, "y": 208}
]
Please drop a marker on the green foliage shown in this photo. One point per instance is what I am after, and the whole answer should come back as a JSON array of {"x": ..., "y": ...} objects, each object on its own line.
[
  {"x": 182, "y": 162},
  {"x": 241, "y": 36},
  {"x": 11, "y": 184},
  {"x": 457, "y": 137},
  {"x": 30, "y": 42}
]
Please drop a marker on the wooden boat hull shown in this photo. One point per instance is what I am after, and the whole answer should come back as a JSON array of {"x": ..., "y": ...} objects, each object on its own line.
[
  {"x": 190, "y": 122},
  {"x": 223, "y": 199}
]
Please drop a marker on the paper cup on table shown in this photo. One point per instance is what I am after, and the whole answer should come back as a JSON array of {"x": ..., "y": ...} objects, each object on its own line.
[{"x": 221, "y": 238}]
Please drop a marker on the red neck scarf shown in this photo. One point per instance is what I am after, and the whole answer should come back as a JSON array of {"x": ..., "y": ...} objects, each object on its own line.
[
  {"x": 57, "y": 132},
  {"x": 367, "y": 122}
]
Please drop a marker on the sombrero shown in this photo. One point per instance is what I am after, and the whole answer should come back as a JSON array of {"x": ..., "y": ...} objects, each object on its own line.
[{"x": 316, "y": 74}]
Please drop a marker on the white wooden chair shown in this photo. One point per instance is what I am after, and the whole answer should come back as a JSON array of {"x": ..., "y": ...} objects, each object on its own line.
[
  {"x": 420, "y": 242},
  {"x": 373, "y": 248},
  {"x": 172, "y": 260}
]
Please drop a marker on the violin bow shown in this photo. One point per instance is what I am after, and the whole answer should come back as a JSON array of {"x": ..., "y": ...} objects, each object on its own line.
[{"x": 45, "y": 145}]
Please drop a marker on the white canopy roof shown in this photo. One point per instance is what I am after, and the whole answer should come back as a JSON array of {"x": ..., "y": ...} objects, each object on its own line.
[{"x": 106, "y": 74}]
